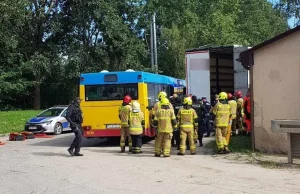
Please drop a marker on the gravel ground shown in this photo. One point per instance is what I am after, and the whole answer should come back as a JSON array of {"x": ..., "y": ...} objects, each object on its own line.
[{"x": 44, "y": 166}]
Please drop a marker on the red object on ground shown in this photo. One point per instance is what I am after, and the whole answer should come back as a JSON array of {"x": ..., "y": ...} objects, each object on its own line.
[
  {"x": 28, "y": 135},
  {"x": 43, "y": 135},
  {"x": 2, "y": 143},
  {"x": 16, "y": 137}
]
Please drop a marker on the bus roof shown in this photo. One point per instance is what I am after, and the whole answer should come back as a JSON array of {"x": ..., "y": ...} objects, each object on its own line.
[{"x": 121, "y": 77}]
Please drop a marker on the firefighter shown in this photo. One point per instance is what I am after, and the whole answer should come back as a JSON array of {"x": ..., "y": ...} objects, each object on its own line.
[
  {"x": 247, "y": 111},
  {"x": 221, "y": 112},
  {"x": 239, "y": 113},
  {"x": 136, "y": 127},
  {"x": 124, "y": 112},
  {"x": 201, "y": 112},
  {"x": 188, "y": 124},
  {"x": 165, "y": 122},
  {"x": 161, "y": 95},
  {"x": 74, "y": 117},
  {"x": 232, "y": 120}
]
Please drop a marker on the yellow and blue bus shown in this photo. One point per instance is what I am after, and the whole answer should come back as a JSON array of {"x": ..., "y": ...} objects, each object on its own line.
[{"x": 102, "y": 94}]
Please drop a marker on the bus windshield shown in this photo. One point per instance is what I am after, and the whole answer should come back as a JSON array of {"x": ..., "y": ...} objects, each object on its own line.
[{"x": 108, "y": 92}]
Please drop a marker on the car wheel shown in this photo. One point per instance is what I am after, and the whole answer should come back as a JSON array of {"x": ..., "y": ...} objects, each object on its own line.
[{"x": 58, "y": 129}]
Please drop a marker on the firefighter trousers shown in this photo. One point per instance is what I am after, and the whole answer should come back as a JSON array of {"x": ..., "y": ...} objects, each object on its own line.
[
  {"x": 136, "y": 143},
  {"x": 221, "y": 133},
  {"x": 184, "y": 134},
  {"x": 124, "y": 134},
  {"x": 239, "y": 124},
  {"x": 163, "y": 140}
]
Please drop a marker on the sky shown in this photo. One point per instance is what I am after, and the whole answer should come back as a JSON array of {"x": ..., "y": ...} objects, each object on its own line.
[{"x": 291, "y": 21}]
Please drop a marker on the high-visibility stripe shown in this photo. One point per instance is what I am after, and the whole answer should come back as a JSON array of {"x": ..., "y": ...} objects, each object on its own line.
[{"x": 185, "y": 126}]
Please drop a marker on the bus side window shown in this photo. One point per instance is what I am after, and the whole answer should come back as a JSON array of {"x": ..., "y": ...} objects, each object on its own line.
[{"x": 151, "y": 94}]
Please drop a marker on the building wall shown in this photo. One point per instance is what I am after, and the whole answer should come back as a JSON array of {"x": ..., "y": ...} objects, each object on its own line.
[{"x": 276, "y": 95}]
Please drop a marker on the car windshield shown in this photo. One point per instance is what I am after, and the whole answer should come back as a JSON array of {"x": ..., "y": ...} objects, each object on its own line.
[{"x": 53, "y": 112}]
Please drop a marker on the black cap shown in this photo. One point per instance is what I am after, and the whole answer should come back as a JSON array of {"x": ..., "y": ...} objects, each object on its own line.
[{"x": 194, "y": 98}]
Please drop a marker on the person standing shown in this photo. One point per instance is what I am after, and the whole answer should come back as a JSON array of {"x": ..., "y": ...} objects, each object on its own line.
[
  {"x": 247, "y": 111},
  {"x": 239, "y": 113},
  {"x": 124, "y": 112},
  {"x": 208, "y": 107},
  {"x": 176, "y": 102},
  {"x": 136, "y": 127},
  {"x": 188, "y": 124},
  {"x": 221, "y": 112},
  {"x": 74, "y": 117},
  {"x": 165, "y": 122},
  {"x": 201, "y": 112},
  {"x": 232, "y": 120}
]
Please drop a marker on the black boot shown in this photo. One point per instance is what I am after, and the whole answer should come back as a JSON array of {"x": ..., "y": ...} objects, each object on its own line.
[{"x": 122, "y": 149}]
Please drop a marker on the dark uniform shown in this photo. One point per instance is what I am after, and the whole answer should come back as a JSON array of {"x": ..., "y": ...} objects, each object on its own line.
[
  {"x": 207, "y": 116},
  {"x": 177, "y": 104},
  {"x": 74, "y": 117},
  {"x": 201, "y": 112}
]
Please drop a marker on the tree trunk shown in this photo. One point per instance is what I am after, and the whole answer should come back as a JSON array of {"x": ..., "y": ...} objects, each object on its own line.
[{"x": 37, "y": 96}]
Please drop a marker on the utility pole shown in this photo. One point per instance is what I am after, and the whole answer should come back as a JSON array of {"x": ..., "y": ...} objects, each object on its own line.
[
  {"x": 155, "y": 43},
  {"x": 151, "y": 46}
]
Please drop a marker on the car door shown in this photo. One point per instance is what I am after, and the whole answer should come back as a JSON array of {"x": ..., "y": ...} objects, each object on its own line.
[{"x": 64, "y": 122}]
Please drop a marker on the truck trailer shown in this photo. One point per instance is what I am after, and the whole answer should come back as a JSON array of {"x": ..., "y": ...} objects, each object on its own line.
[{"x": 212, "y": 69}]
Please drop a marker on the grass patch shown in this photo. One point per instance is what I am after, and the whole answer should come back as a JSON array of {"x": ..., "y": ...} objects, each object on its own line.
[
  {"x": 14, "y": 121},
  {"x": 241, "y": 144},
  {"x": 270, "y": 164}
]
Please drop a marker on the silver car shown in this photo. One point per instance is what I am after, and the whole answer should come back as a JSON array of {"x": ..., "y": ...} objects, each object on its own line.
[{"x": 51, "y": 120}]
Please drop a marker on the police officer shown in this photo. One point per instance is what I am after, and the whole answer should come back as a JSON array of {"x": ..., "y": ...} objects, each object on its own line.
[
  {"x": 221, "y": 112},
  {"x": 74, "y": 117},
  {"x": 207, "y": 117},
  {"x": 177, "y": 104},
  {"x": 165, "y": 122},
  {"x": 201, "y": 112}
]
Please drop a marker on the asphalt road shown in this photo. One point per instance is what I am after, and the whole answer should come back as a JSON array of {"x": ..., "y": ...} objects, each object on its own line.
[{"x": 44, "y": 166}]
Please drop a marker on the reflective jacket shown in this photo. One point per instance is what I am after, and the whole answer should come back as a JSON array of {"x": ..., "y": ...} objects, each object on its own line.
[
  {"x": 136, "y": 123},
  {"x": 124, "y": 112},
  {"x": 164, "y": 120},
  {"x": 233, "y": 108},
  {"x": 222, "y": 113},
  {"x": 240, "y": 109},
  {"x": 157, "y": 106},
  {"x": 187, "y": 118}
]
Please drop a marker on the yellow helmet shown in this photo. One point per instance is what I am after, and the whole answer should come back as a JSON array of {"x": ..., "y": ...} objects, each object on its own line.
[
  {"x": 187, "y": 101},
  {"x": 164, "y": 101},
  {"x": 162, "y": 95},
  {"x": 223, "y": 96},
  {"x": 136, "y": 105}
]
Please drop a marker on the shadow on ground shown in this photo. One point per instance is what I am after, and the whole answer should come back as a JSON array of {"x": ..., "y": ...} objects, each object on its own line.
[
  {"x": 51, "y": 154},
  {"x": 66, "y": 139}
]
